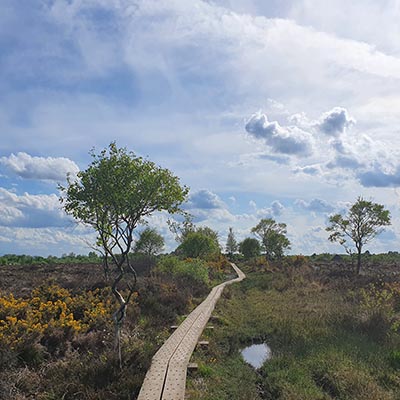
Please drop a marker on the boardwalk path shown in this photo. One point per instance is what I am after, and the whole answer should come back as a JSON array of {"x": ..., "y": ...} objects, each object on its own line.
[{"x": 166, "y": 378}]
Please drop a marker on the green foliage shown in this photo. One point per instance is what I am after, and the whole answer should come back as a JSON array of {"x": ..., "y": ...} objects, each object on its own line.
[
  {"x": 273, "y": 238},
  {"x": 180, "y": 230},
  {"x": 207, "y": 231},
  {"x": 250, "y": 247},
  {"x": 198, "y": 244},
  {"x": 71, "y": 258},
  {"x": 48, "y": 319},
  {"x": 187, "y": 227},
  {"x": 113, "y": 195},
  {"x": 231, "y": 243},
  {"x": 193, "y": 270},
  {"x": 116, "y": 192},
  {"x": 363, "y": 222},
  {"x": 150, "y": 242},
  {"x": 320, "y": 351},
  {"x": 394, "y": 359}
]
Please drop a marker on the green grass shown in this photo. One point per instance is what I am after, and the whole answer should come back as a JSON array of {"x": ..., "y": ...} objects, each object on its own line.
[{"x": 321, "y": 349}]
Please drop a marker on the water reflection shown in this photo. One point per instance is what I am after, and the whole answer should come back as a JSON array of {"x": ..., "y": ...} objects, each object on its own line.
[{"x": 256, "y": 354}]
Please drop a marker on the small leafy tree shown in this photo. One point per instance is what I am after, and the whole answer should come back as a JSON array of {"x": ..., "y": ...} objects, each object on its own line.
[
  {"x": 207, "y": 231},
  {"x": 180, "y": 230},
  {"x": 363, "y": 222},
  {"x": 113, "y": 195},
  {"x": 150, "y": 242},
  {"x": 250, "y": 247},
  {"x": 231, "y": 243},
  {"x": 273, "y": 238},
  {"x": 198, "y": 244}
]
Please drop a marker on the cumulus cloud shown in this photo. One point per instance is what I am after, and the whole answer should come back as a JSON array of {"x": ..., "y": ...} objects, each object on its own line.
[
  {"x": 309, "y": 170},
  {"x": 289, "y": 140},
  {"x": 378, "y": 177},
  {"x": 204, "y": 199},
  {"x": 339, "y": 146},
  {"x": 45, "y": 241},
  {"x": 335, "y": 121},
  {"x": 277, "y": 208},
  {"x": 33, "y": 211},
  {"x": 205, "y": 205},
  {"x": 43, "y": 168},
  {"x": 351, "y": 155},
  {"x": 345, "y": 162},
  {"x": 274, "y": 210},
  {"x": 315, "y": 205}
]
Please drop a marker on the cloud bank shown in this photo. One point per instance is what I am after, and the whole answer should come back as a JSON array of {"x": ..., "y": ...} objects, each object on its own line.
[
  {"x": 31, "y": 211},
  {"x": 42, "y": 168}
]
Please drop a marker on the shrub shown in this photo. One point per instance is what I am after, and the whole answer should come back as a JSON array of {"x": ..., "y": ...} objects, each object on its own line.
[
  {"x": 250, "y": 247},
  {"x": 377, "y": 312},
  {"x": 198, "y": 244},
  {"x": 190, "y": 271},
  {"x": 49, "y": 318},
  {"x": 394, "y": 359},
  {"x": 162, "y": 300}
]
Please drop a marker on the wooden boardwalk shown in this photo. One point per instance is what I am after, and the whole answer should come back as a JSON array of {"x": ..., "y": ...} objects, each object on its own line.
[{"x": 166, "y": 378}]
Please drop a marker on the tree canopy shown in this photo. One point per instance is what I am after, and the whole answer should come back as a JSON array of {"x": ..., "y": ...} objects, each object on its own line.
[
  {"x": 273, "y": 238},
  {"x": 231, "y": 243},
  {"x": 113, "y": 195},
  {"x": 198, "y": 244},
  {"x": 250, "y": 247},
  {"x": 363, "y": 222},
  {"x": 150, "y": 242}
]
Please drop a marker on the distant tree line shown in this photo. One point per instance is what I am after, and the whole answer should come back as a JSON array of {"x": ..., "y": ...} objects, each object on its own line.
[
  {"x": 23, "y": 259},
  {"x": 272, "y": 241}
]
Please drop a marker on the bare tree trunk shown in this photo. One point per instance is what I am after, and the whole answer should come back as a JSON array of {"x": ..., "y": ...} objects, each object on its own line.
[
  {"x": 106, "y": 268},
  {"x": 358, "y": 261},
  {"x": 119, "y": 317},
  {"x": 120, "y": 314}
]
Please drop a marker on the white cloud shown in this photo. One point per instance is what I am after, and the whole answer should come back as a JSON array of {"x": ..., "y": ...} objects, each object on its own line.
[
  {"x": 309, "y": 169},
  {"x": 206, "y": 206},
  {"x": 273, "y": 211},
  {"x": 204, "y": 199},
  {"x": 101, "y": 70},
  {"x": 370, "y": 161},
  {"x": 277, "y": 208},
  {"x": 33, "y": 211},
  {"x": 284, "y": 140},
  {"x": 45, "y": 241},
  {"x": 42, "y": 168},
  {"x": 342, "y": 18},
  {"x": 335, "y": 121},
  {"x": 315, "y": 205},
  {"x": 378, "y": 177}
]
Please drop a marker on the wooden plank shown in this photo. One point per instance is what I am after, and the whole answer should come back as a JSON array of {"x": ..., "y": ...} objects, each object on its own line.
[{"x": 166, "y": 378}]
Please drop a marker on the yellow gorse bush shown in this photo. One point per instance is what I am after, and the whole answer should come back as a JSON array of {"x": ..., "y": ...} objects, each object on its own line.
[{"x": 49, "y": 307}]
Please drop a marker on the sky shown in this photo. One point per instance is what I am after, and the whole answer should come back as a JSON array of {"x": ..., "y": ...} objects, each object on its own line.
[{"x": 266, "y": 109}]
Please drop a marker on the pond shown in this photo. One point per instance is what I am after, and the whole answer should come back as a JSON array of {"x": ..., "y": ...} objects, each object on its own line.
[{"x": 256, "y": 354}]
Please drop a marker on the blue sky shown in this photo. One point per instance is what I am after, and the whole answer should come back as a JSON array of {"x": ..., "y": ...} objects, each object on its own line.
[{"x": 283, "y": 109}]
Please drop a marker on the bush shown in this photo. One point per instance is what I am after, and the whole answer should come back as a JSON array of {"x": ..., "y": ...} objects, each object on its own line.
[
  {"x": 377, "y": 312},
  {"x": 163, "y": 300},
  {"x": 250, "y": 247},
  {"x": 48, "y": 319},
  {"x": 192, "y": 272},
  {"x": 394, "y": 359},
  {"x": 197, "y": 244}
]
